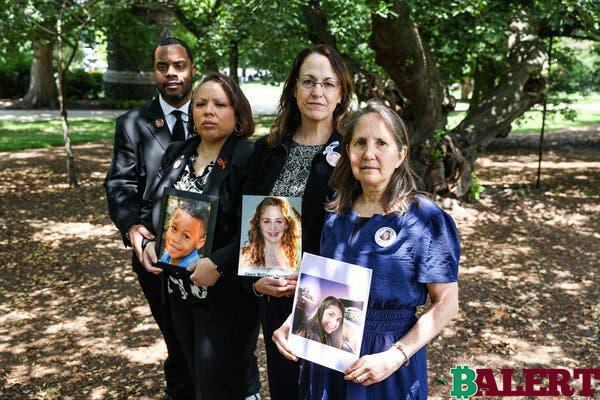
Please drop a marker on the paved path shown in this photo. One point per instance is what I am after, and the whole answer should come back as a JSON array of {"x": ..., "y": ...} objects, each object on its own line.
[
  {"x": 263, "y": 99},
  {"x": 45, "y": 115}
]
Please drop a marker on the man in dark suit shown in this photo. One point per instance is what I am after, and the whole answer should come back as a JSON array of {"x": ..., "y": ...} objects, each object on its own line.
[{"x": 141, "y": 139}]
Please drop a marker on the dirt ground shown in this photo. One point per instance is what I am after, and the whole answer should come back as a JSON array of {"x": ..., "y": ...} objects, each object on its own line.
[{"x": 74, "y": 324}]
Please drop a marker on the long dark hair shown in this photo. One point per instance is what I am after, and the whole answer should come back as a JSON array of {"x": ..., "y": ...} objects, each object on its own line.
[
  {"x": 244, "y": 123},
  {"x": 288, "y": 114},
  {"x": 313, "y": 329},
  {"x": 402, "y": 187}
]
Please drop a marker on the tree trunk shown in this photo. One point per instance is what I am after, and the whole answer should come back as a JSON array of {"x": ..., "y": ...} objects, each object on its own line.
[
  {"x": 42, "y": 89},
  {"x": 234, "y": 60},
  {"x": 401, "y": 52},
  {"x": 63, "y": 67},
  {"x": 518, "y": 90},
  {"x": 60, "y": 82}
]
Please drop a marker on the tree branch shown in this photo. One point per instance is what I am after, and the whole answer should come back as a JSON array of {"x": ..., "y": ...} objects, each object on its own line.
[
  {"x": 190, "y": 25},
  {"x": 518, "y": 90},
  {"x": 402, "y": 53}
]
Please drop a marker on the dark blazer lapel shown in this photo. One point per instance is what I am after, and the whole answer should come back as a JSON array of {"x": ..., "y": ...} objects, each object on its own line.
[
  {"x": 157, "y": 124},
  {"x": 178, "y": 164},
  {"x": 221, "y": 168}
]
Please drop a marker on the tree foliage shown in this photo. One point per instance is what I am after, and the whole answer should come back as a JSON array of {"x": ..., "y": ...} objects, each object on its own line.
[{"x": 407, "y": 53}]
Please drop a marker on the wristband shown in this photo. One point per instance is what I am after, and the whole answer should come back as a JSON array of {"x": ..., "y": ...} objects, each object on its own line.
[
  {"x": 256, "y": 293},
  {"x": 398, "y": 345},
  {"x": 219, "y": 269},
  {"x": 145, "y": 243}
]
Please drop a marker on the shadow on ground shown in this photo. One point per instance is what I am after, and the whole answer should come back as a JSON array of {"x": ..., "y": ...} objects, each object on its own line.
[{"x": 73, "y": 323}]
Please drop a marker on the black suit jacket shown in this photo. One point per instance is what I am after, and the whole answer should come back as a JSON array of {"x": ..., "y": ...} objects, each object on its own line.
[
  {"x": 226, "y": 181},
  {"x": 141, "y": 138}
]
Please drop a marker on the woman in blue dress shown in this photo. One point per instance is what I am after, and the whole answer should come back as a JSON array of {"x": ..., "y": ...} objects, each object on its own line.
[{"x": 377, "y": 220}]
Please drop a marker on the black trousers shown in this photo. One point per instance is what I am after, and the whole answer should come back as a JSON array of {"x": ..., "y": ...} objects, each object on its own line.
[
  {"x": 219, "y": 346},
  {"x": 283, "y": 373},
  {"x": 179, "y": 382}
]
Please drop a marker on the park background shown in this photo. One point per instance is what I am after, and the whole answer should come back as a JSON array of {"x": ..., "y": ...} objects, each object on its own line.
[{"x": 477, "y": 81}]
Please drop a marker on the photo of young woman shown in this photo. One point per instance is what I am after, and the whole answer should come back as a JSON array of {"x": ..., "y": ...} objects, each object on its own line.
[
  {"x": 326, "y": 324},
  {"x": 272, "y": 247}
]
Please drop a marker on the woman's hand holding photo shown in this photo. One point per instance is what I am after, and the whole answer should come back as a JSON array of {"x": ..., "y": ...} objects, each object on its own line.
[
  {"x": 204, "y": 273},
  {"x": 280, "y": 337},
  {"x": 274, "y": 287},
  {"x": 376, "y": 367},
  {"x": 149, "y": 259},
  {"x": 290, "y": 288}
]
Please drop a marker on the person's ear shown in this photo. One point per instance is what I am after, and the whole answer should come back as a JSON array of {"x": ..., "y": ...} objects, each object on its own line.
[
  {"x": 403, "y": 151},
  {"x": 201, "y": 243},
  {"x": 193, "y": 69}
]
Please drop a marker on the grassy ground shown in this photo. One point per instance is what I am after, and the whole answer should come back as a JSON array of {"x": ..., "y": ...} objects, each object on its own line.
[
  {"x": 531, "y": 121},
  {"x": 19, "y": 135}
]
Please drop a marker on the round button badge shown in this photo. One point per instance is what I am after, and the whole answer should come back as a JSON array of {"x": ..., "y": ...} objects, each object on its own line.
[
  {"x": 385, "y": 236},
  {"x": 333, "y": 158}
]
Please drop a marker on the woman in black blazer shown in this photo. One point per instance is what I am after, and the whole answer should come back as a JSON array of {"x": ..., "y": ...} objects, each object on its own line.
[
  {"x": 215, "y": 320},
  {"x": 296, "y": 159}
]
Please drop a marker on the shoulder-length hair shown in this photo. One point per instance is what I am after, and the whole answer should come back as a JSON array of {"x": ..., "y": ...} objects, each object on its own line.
[
  {"x": 313, "y": 329},
  {"x": 244, "y": 123},
  {"x": 288, "y": 114},
  {"x": 254, "y": 251},
  {"x": 402, "y": 186}
]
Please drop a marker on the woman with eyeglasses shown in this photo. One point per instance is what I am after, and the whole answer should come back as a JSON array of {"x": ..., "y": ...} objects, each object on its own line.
[{"x": 296, "y": 159}]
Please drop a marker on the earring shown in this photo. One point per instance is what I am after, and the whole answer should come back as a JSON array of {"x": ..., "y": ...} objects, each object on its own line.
[{"x": 238, "y": 128}]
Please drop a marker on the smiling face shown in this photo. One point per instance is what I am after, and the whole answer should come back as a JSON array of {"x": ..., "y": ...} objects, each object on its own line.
[
  {"x": 272, "y": 224},
  {"x": 173, "y": 74},
  {"x": 373, "y": 152},
  {"x": 332, "y": 318},
  {"x": 214, "y": 116},
  {"x": 185, "y": 234},
  {"x": 317, "y": 103}
]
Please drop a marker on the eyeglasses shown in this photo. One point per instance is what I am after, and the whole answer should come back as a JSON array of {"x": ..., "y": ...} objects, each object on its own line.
[{"x": 309, "y": 84}]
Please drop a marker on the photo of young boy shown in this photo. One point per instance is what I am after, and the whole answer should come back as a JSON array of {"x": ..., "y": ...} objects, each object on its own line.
[
  {"x": 187, "y": 222},
  {"x": 186, "y": 234}
]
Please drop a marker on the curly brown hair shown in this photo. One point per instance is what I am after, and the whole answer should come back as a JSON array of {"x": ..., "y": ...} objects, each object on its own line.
[{"x": 254, "y": 251}]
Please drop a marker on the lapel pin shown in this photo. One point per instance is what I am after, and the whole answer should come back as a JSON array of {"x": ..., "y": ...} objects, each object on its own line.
[
  {"x": 177, "y": 163},
  {"x": 333, "y": 158},
  {"x": 159, "y": 123},
  {"x": 385, "y": 236},
  {"x": 221, "y": 163},
  {"x": 330, "y": 147}
]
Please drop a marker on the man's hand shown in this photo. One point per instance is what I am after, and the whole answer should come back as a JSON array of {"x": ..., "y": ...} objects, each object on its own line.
[
  {"x": 204, "y": 273},
  {"x": 149, "y": 259},
  {"x": 137, "y": 233}
]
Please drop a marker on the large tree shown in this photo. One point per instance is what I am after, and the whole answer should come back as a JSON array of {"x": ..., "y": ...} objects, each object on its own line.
[
  {"x": 423, "y": 46},
  {"x": 408, "y": 53}
]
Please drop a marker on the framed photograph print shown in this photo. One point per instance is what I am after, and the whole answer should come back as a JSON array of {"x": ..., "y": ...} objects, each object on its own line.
[
  {"x": 328, "y": 316},
  {"x": 271, "y": 236},
  {"x": 187, "y": 225}
]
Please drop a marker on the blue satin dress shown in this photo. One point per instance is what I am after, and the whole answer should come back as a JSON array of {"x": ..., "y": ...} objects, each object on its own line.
[{"x": 426, "y": 250}]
